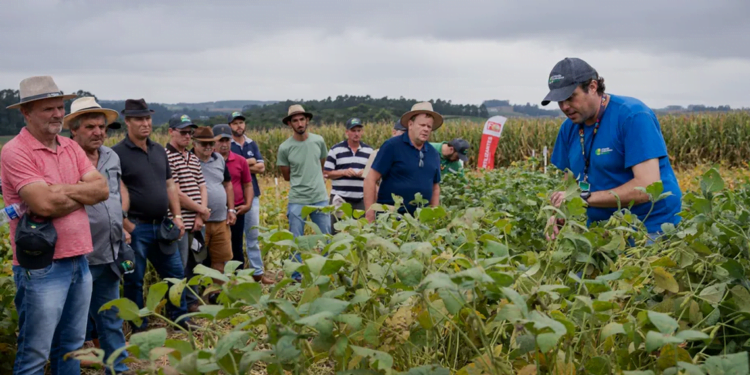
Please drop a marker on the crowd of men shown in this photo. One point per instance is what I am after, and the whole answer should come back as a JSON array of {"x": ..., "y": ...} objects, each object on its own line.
[{"x": 96, "y": 215}]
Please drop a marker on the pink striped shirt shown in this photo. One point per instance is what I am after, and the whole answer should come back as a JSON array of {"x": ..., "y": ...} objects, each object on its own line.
[{"x": 24, "y": 160}]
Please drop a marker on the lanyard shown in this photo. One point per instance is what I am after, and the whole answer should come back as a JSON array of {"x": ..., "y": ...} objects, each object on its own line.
[{"x": 587, "y": 159}]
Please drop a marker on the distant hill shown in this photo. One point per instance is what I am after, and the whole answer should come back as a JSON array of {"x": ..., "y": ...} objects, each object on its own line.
[
  {"x": 221, "y": 106},
  {"x": 504, "y": 108}
]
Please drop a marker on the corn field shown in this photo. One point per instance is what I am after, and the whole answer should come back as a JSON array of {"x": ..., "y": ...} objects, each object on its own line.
[{"x": 691, "y": 139}]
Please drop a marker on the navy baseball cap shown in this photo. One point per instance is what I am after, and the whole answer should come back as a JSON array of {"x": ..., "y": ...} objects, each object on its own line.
[
  {"x": 234, "y": 116},
  {"x": 565, "y": 77},
  {"x": 460, "y": 146},
  {"x": 353, "y": 122},
  {"x": 180, "y": 122},
  {"x": 399, "y": 126},
  {"x": 222, "y": 131}
]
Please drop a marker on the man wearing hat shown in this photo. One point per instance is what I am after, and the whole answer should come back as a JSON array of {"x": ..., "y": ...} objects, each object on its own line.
[
  {"x": 149, "y": 194},
  {"x": 397, "y": 130},
  {"x": 301, "y": 159},
  {"x": 187, "y": 175},
  {"x": 611, "y": 144},
  {"x": 344, "y": 165},
  {"x": 243, "y": 146},
  {"x": 452, "y": 155},
  {"x": 88, "y": 123},
  {"x": 52, "y": 177},
  {"x": 407, "y": 164}
]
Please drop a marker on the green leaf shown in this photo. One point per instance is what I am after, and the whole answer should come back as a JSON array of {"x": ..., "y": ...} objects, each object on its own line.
[
  {"x": 127, "y": 310},
  {"x": 597, "y": 366},
  {"x": 210, "y": 272},
  {"x": 663, "y": 322},
  {"x": 690, "y": 369},
  {"x": 741, "y": 297},
  {"x": 714, "y": 293},
  {"x": 229, "y": 341},
  {"x": 247, "y": 291},
  {"x": 402, "y": 297},
  {"x": 378, "y": 360},
  {"x": 334, "y": 306},
  {"x": 352, "y": 320},
  {"x": 427, "y": 370},
  {"x": 712, "y": 182},
  {"x": 285, "y": 350},
  {"x": 731, "y": 364},
  {"x": 517, "y": 300},
  {"x": 547, "y": 341},
  {"x": 438, "y": 280},
  {"x": 145, "y": 341},
  {"x": 380, "y": 242},
  {"x": 655, "y": 190},
  {"x": 496, "y": 249},
  {"x": 734, "y": 268},
  {"x": 612, "y": 329},
  {"x": 155, "y": 293},
  {"x": 452, "y": 299},
  {"x": 231, "y": 266},
  {"x": 332, "y": 266},
  {"x": 655, "y": 340},
  {"x": 175, "y": 293},
  {"x": 665, "y": 280},
  {"x": 690, "y": 335},
  {"x": 410, "y": 272}
]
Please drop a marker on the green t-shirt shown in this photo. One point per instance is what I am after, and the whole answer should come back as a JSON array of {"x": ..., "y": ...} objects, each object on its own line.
[
  {"x": 446, "y": 165},
  {"x": 306, "y": 172}
]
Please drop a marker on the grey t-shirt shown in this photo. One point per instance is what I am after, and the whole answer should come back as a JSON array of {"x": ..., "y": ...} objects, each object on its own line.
[
  {"x": 105, "y": 217},
  {"x": 215, "y": 173}
]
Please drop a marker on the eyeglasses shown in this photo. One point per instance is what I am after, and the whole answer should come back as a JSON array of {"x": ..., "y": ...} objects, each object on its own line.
[
  {"x": 421, "y": 159},
  {"x": 187, "y": 132},
  {"x": 207, "y": 144}
]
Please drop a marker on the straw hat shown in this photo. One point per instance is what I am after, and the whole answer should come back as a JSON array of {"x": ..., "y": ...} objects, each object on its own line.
[
  {"x": 88, "y": 104},
  {"x": 296, "y": 109},
  {"x": 419, "y": 108},
  {"x": 39, "y": 88}
]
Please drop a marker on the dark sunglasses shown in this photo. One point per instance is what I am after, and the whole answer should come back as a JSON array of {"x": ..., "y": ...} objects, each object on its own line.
[
  {"x": 207, "y": 144},
  {"x": 187, "y": 132}
]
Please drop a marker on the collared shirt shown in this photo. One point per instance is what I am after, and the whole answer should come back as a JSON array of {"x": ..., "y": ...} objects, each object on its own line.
[
  {"x": 240, "y": 174},
  {"x": 342, "y": 157},
  {"x": 105, "y": 218},
  {"x": 145, "y": 174},
  {"x": 186, "y": 171},
  {"x": 23, "y": 161},
  {"x": 398, "y": 163},
  {"x": 249, "y": 149},
  {"x": 216, "y": 173}
]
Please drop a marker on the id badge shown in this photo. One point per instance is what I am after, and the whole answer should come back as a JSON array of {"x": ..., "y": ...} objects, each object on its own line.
[{"x": 585, "y": 186}]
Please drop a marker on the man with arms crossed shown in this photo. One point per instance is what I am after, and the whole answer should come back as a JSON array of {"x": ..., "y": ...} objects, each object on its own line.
[
  {"x": 88, "y": 123},
  {"x": 53, "y": 178},
  {"x": 249, "y": 150},
  {"x": 149, "y": 193},
  {"x": 407, "y": 164}
]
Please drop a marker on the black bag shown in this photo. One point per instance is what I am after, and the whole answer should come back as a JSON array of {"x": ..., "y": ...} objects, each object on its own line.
[
  {"x": 167, "y": 236},
  {"x": 35, "y": 241}
]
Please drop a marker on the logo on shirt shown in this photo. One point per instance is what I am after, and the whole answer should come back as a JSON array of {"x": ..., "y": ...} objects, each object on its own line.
[
  {"x": 603, "y": 151},
  {"x": 555, "y": 78},
  {"x": 250, "y": 153}
]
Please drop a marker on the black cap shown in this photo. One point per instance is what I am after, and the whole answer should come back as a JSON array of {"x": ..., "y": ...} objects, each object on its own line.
[
  {"x": 565, "y": 76},
  {"x": 353, "y": 122},
  {"x": 460, "y": 146},
  {"x": 399, "y": 126},
  {"x": 115, "y": 125},
  {"x": 167, "y": 236},
  {"x": 35, "y": 241},
  {"x": 222, "y": 130},
  {"x": 180, "y": 122},
  {"x": 234, "y": 116}
]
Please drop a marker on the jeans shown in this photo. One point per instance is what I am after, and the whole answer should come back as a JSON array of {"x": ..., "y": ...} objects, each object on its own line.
[
  {"x": 146, "y": 247},
  {"x": 183, "y": 247},
  {"x": 51, "y": 304},
  {"x": 107, "y": 327},
  {"x": 252, "y": 219},
  {"x": 297, "y": 224},
  {"x": 238, "y": 230}
]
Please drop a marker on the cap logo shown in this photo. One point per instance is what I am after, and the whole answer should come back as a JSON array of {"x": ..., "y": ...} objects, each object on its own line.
[
  {"x": 355, "y": 121},
  {"x": 555, "y": 78},
  {"x": 185, "y": 118},
  {"x": 236, "y": 114}
]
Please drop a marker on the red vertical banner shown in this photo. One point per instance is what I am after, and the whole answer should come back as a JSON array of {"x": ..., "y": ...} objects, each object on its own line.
[{"x": 493, "y": 128}]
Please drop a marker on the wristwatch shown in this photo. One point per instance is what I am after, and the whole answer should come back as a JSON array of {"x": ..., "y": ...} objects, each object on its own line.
[
  {"x": 124, "y": 214},
  {"x": 232, "y": 210},
  {"x": 586, "y": 195}
]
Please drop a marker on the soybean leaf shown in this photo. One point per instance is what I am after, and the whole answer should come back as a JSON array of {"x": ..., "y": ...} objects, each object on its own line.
[
  {"x": 127, "y": 310},
  {"x": 210, "y": 272},
  {"x": 155, "y": 293},
  {"x": 731, "y": 364},
  {"x": 690, "y": 335},
  {"x": 145, "y": 341},
  {"x": 665, "y": 280},
  {"x": 663, "y": 322},
  {"x": 655, "y": 340},
  {"x": 378, "y": 360},
  {"x": 612, "y": 329}
]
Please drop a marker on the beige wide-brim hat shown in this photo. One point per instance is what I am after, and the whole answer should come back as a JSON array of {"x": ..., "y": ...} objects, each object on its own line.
[
  {"x": 85, "y": 105},
  {"x": 296, "y": 109},
  {"x": 39, "y": 88},
  {"x": 419, "y": 108}
]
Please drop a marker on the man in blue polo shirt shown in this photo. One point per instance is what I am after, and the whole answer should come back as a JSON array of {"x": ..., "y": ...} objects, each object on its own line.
[
  {"x": 612, "y": 144},
  {"x": 407, "y": 164}
]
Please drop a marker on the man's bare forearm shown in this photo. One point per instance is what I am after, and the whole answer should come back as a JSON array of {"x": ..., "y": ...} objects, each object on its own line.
[
  {"x": 258, "y": 167},
  {"x": 187, "y": 203},
  {"x": 435, "y": 200},
  {"x": 370, "y": 192},
  {"x": 87, "y": 193},
  {"x": 626, "y": 192},
  {"x": 174, "y": 200},
  {"x": 62, "y": 205}
]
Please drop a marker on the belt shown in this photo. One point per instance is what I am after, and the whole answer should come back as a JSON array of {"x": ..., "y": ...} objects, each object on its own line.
[{"x": 139, "y": 220}]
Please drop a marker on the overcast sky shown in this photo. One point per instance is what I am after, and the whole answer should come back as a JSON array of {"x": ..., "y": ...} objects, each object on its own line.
[{"x": 661, "y": 51}]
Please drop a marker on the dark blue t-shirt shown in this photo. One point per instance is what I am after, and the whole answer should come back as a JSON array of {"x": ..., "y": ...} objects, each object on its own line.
[
  {"x": 249, "y": 149},
  {"x": 629, "y": 134},
  {"x": 398, "y": 163}
]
